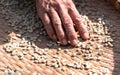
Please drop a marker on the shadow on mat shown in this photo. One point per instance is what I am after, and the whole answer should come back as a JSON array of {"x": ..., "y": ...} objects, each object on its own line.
[{"x": 115, "y": 30}]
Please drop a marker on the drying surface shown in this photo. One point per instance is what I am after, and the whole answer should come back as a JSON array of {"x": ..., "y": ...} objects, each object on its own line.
[{"x": 25, "y": 47}]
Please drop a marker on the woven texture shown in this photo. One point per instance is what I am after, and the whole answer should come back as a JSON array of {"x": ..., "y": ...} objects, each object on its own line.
[{"x": 110, "y": 58}]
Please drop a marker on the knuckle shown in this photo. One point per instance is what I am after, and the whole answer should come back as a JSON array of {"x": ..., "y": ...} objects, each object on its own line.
[
  {"x": 78, "y": 19},
  {"x": 57, "y": 23},
  {"x": 70, "y": 4},
  {"x": 67, "y": 21},
  {"x": 83, "y": 30},
  {"x": 58, "y": 5},
  {"x": 61, "y": 35},
  {"x": 47, "y": 24},
  {"x": 71, "y": 35},
  {"x": 71, "y": 9}
]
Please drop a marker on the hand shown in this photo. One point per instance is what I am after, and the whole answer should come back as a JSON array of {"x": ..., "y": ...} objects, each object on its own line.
[{"x": 59, "y": 18}]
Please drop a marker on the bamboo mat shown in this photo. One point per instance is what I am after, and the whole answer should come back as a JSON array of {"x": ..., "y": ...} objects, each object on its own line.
[{"x": 110, "y": 60}]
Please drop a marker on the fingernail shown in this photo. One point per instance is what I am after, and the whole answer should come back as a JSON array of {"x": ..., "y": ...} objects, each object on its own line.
[
  {"x": 74, "y": 42},
  {"x": 85, "y": 36},
  {"x": 64, "y": 42}
]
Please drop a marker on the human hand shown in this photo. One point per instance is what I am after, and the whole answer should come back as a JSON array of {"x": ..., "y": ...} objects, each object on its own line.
[{"x": 59, "y": 18}]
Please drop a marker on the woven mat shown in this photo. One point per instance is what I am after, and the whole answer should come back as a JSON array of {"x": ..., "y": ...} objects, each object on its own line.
[{"x": 110, "y": 60}]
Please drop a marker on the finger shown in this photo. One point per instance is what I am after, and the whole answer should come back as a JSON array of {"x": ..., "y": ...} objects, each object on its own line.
[
  {"x": 68, "y": 25},
  {"x": 47, "y": 24},
  {"x": 57, "y": 26},
  {"x": 77, "y": 20}
]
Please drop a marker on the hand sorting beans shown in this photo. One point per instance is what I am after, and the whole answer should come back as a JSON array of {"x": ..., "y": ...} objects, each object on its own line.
[{"x": 60, "y": 19}]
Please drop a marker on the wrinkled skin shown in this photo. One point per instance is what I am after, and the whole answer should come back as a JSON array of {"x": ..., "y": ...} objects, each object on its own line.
[{"x": 59, "y": 18}]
